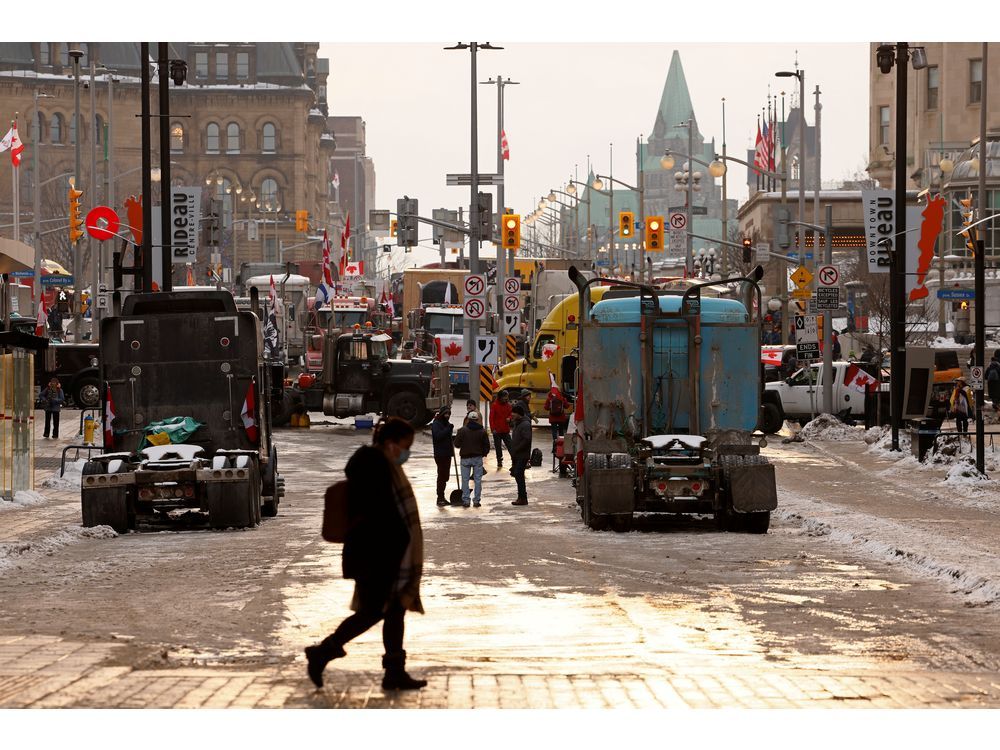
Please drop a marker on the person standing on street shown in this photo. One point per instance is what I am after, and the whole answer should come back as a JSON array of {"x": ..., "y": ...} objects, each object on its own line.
[
  {"x": 520, "y": 451},
  {"x": 557, "y": 405},
  {"x": 53, "y": 399},
  {"x": 992, "y": 376},
  {"x": 525, "y": 399},
  {"x": 444, "y": 454},
  {"x": 473, "y": 444},
  {"x": 470, "y": 406},
  {"x": 383, "y": 553},
  {"x": 500, "y": 411},
  {"x": 962, "y": 405},
  {"x": 837, "y": 350}
]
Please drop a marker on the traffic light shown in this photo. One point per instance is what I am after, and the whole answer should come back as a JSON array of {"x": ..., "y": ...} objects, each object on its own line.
[
  {"x": 626, "y": 224},
  {"x": 967, "y": 216},
  {"x": 392, "y": 227},
  {"x": 654, "y": 234},
  {"x": 747, "y": 249},
  {"x": 511, "y": 231},
  {"x": 485, "y": 207},
  {"x": 76, "y": 229},
  {"x": 407, "y": 211},
  {"x": 301, "y": 221}
]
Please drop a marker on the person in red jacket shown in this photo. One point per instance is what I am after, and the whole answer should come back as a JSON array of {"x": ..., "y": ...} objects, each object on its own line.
[
  {"x": 500, "y": 411},
  {"x": 557, "y": 405}
]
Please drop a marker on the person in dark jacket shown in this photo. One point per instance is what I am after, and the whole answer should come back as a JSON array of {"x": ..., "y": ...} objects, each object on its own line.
[
  {"x": 441, "y": 435},
  {"x": 383, "y": 553},
  {"x": 55, "y": 321},
  {"x": 500, "y": 411},
  {"x": 837, "y": 350},
  {"x": 53, "y": 399},
  {"x": 557, "y": 406},
  {"x": 473, "y": 444},
  {"x": 993, "y": 381},
  {"x": 520, "y": 451}
]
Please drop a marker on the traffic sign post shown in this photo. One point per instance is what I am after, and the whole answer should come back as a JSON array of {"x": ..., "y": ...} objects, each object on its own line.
[
  {"x": 511, "y": 303},
  {"x": 475, "y": 285},
  {"x": 474, "y": 308},
  {"x": 956, "y": 294},
  {"x": 512, "y": 286},
  {"x": 976, "y": 378},
  {"x": 487, "y": 350},
  {"x": 511, "y": 323},
  {"x": 763, "y": 254}
]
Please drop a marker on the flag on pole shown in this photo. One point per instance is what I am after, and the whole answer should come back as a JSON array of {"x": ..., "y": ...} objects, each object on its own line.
[
  {"x": 758, "y": 155},
  {"x": 766, "y": 146},
  {"x": 270, "y": 331},
  {"x": 43, "y": 316},
  {"x": 336, "y": 181},
  {"x": 345, "y": 236},
  {"x": 505, "y": 147},
  {"x": 354, "y": 268},
  {"x": 324, "y": 292},
  {"x": 860, "y": 380},
  {"x": 248, "y": 413}
]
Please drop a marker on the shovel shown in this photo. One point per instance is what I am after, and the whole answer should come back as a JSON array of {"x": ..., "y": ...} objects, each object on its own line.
[{"x": 455, "y": 498}]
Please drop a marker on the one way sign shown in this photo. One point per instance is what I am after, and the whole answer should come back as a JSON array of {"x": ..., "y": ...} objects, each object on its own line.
[{"x": 487, "y": 350}]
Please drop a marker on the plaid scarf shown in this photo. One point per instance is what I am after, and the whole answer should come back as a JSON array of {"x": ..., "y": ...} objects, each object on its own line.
[{"x": 410, "y": 568}]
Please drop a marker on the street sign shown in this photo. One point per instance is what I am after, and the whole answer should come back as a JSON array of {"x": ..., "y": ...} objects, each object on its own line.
[
  {"x": 512, "y": 285},
  {"x": 806, "y": 329},
  {"x": 678, "y": 238},
  {"x": 378, "y": 220},
  {"x": 828, "y": 276},
  {"x": 802, "y": 277},
  {"x": 678, "y": 221},
  {"x": 763, "y": 254},
  {"x": 794, "y": 255},
  {"x": 511, "y": 303},
  {"x": 475, "y": 285},
  {"x": 976, "y": 378},
  {"x": 102, "y": 222},
  {"x": 511, "y": 323},
  {"x": 466, "y": 179},
  {"x": 104, "y": 300},
  {"x": 956, "y": 294},
  {"x": 827, "y": 297},
  {"x": 487, "y": 350},
  {"x": 475, "y": 308},
  {"x": 801, "y": 294},
  {"x": 807, "y": 351},
  {"x": 185, "y": 218}
]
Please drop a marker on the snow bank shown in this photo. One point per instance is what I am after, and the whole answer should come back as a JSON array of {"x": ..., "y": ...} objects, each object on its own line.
[
  {"x": 964, "y": 473},
  {"x": 68, "y": 481},
  {"x": 880, "y": 444},
  {"x": 14, "y": 554},
  {"x": 828, "y": 427},
  {"x": 23, "y": 499}
]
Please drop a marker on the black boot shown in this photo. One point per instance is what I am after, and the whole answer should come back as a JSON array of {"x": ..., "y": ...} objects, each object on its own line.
[
  {"x": 395, "y": 674},
  {"x": 317, "y": 657}
]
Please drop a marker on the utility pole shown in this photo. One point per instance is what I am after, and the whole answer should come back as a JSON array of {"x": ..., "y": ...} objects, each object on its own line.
[
  {"x": 75, "y": 55},
  {"x": 95, "y": 282},
  {"x": 981, "y": 268},
  {"x": 688, "y": 242},
  {"x": 817, "y": 181},
  {"x": 897, "y": 264},
  {"x": 109, "y": 192},
  {"x": 36, "y": 142},
  {"x": 724, "y": 249},
  {"x": 782, "y": 272},
  {"x": 166, "y": 194},
  {"x": 828, "y": 327},
  {"x": 147, "y": 161}
]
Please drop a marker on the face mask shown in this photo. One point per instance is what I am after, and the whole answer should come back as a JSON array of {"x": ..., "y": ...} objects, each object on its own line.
[{"x": 404, "y": 454}]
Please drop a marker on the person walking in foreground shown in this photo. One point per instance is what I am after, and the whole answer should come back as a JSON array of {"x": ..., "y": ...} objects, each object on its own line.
[
  {"x": 500, "y": 411},
  {"x": 53, "y": 399},
  {"x": 441, "y": 436},
  {"x": 557, "y": 405},
  {"x": 962, "y": 405},
  {"x": 473, "y": 443},
  {"x": 383, "y": 553},
  {"x": 520, "y": 451}
]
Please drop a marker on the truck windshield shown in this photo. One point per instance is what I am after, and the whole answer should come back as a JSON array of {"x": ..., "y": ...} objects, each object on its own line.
[
  {"x": 442, "y": 323},
  {"x": 378, "y": 350},
  {"x": 540, "y": 343},
  {"x": 348, "y": 318}
]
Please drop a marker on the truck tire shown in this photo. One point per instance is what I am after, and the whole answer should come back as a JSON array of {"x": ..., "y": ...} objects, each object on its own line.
[
  {"x": 409, "y": 406},
  {"x": 770, "y": 419},
  {"x": 87, "y": 393},
  {"x": 755, "y": 523},
  {"x": 283, "y": 414},
  {"x": 256, "y": 485}
]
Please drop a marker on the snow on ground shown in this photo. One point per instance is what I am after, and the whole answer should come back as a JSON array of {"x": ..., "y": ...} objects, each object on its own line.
[
  {"x": 965, "y": 570},
  {"x": 15, "y": 554},
  {"x": 70, "y": 480},
  {"x": 23, "y": 499},
  {"x": 828, "y": 427}
]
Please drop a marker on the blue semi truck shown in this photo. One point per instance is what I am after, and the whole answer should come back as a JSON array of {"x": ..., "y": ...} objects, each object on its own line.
[{"x": 668, "y": 389}]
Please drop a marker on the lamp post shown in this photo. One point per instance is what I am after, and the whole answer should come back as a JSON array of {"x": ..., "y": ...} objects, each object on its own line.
[
  {"x": 801, "y": 76},
  {"x": 75, "y": 56},
  {"x": 571, "y": 189},
  {"x": 642, "y": 214},
  {"x": 690, "y": 196},
  {"x": 716, "y": 168},
  {"x": 36, "y": 141},
  {"x": 575, "y": 207}
]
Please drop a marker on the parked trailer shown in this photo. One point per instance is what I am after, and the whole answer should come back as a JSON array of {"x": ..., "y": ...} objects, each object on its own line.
[
  {"x": 668, "y": 398},
  {"x": 175, "y": 354}
]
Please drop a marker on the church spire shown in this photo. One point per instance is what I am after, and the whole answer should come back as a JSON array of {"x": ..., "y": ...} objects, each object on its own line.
[{"x": 675, "y": 101}]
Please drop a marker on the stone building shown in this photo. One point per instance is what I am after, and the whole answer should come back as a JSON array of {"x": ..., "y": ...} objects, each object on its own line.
[
  {"x": 249, "y": 126},
  {"x": 353, "y": 174}
]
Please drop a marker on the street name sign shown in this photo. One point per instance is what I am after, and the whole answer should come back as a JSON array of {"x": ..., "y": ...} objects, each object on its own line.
[
  {"x": 466, "y": 179},
  {"x": 956, "y": 294}
]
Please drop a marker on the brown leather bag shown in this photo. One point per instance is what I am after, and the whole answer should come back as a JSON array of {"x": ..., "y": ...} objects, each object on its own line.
[{"x": 335, "y": 512}]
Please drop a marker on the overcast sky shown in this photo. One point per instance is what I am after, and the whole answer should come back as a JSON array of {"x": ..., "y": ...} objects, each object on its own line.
[{"x": 573, "y": 100}]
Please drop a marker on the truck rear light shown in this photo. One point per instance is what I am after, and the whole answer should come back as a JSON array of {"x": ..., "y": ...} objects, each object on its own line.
[
  {"x": 145, "y": 494},
  {"x": 189, "y": 491},
  {"x": 696, "y": 487}
]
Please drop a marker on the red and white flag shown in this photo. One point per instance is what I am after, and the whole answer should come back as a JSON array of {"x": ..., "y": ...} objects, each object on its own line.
[
  {"x": 43, "y": 316},
  {"x": 345, "y": 237},
  {"x": 109, "y": 418},
  {"x": 248, "y": 414},
  {"x": 860, "y": 380},
  {"x": 771, "y": 356},
  {"x": 759, "y": 159},
  {"x": 272, "y": 293},
  {"x": 354, "y": 268},
  {"x": 13, "y": 142},
  {"x": 324, "y": 292},
  {"x": 504, "y": 146}
]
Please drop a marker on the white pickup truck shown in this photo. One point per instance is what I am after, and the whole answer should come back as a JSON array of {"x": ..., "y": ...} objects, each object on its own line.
[{"x": 800, "y": 396}]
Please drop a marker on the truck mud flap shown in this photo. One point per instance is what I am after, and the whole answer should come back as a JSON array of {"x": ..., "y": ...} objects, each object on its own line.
[
  {"x": 106, "y": 507},
  {"x": 230, "y": 504},
  {"x": 751, "y": 483},
  {"x": 612, "y": 491}
]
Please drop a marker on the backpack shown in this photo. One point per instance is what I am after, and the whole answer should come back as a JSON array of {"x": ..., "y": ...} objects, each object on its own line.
[
  {"x": 536, "y": 457},
  {"x": 335, "y": 512},
  {"x": 556, "y": 407}
]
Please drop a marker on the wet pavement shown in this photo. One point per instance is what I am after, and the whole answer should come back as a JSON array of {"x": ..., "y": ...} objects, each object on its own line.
[{"x": 525, "y": 606}]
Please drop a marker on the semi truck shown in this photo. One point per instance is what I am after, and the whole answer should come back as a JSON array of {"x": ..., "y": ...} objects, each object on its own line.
[
  {"x": 293, "y": 292},
  {"x": 668, "y": 396},
  {"x": 186, "y": 415}
]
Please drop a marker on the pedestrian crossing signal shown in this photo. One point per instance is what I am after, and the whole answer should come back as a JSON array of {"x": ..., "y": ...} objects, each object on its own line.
[
  {"x": 747, "y": 249},
  {"x": 654, "y": 234},
  {"x": 511, "y": 236}
]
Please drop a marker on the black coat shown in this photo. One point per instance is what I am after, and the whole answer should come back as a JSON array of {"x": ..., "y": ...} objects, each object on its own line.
[
  {"x": 520, "y": 439},
  {"x": 377, "y": 536},
  {"x": 472, "y": 441},
  {"x": 441, "y": 434}
]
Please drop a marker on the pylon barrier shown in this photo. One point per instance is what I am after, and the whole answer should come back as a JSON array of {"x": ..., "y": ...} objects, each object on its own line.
[
  {"x": 511, "y": 346},
  {"x": 487, "y": 386}
]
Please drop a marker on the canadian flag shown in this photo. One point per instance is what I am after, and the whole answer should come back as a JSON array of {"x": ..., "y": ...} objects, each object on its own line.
[
  {"x": 248, "y": 412},
  {"x": 771, "y": 356},
  {"x": 13, "y": 142},
  {"x": 860, "y": 380},
  {"x": 386, "y": 301},
  {"x": 354, "y": 269},
  {"x": 345, "y": 236},
  {"x": 40, "y": 321},
  {"x": 324, "y": 292},
  {"x": 759, "y": 157},
  {"x": 109, "y": 418},
  {"x": 504, "y": 146}
]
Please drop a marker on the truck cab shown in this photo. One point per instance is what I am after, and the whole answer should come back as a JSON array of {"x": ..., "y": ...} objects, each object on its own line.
[{"x": 800, "y": 395}]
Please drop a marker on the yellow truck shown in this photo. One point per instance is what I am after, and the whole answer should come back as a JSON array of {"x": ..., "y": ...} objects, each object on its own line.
[{"x": 556, "y": 338}]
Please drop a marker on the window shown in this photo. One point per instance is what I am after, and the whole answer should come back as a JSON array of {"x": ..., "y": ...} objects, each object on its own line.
[
  {"x": 232, "y": 138},
  {"x": 212, "y": 138},
  {"x": 270, "y": 249},
  {"x": 269, "y": 192},
  {"x": 933, "y": 82},
  {"x": 44, "y": 57},
  {"x": 39, "y": 127},
  {"x": 72, "y": 130},
  {"x": 222, "y": 66},
  {"x": 56, "y": 129},
  {"x": 269, "y": 142},
  {"x": 242, "y": 65},
  {"x": 201, "y": 65},
  {"x": 177, "y": 138},
  {"x": 98, "y": 130},
  {"x": 883, "y": 126},
  {"x": 540, "y": 343},
  {"x": 64, "y": 53},
  {"x": 975, "y": 81}
]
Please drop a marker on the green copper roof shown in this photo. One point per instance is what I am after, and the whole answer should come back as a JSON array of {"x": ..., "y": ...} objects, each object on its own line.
[{"x": 675, "y": 101}]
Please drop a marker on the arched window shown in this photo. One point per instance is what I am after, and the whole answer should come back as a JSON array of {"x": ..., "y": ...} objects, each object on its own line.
[
  {"x": 39, "y": 132},
  {"x": 269, "y": 141},
  {"x": 64, "y": 53},
  {"x": 212, "y": 138},
  {"x": 56, "y": 128},
  {"x": 224, "y": 192},
  {"x": 269, "y": 197},
  {"x": 72, "y": 130},
  {"x": 177, "y": 138},
  {"x": 232, "y": 138}
]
